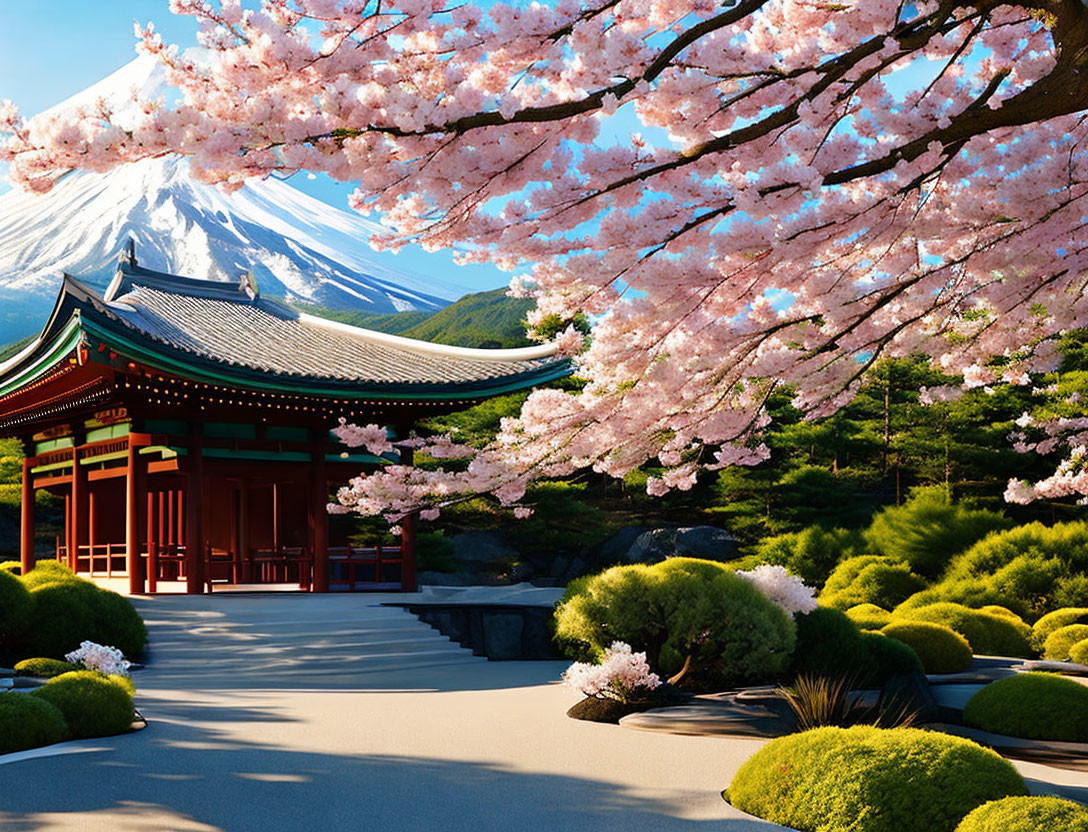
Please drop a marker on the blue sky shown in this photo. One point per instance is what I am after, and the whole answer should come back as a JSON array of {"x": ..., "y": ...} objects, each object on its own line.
[{"x": 51, "y": 49}]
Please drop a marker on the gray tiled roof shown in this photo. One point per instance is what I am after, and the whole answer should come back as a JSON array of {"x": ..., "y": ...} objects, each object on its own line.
[{"x": 262, "y": 335}]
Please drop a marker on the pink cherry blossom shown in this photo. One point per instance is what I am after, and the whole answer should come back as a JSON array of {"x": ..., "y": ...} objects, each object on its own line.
[{"x": 811, "y": 188}]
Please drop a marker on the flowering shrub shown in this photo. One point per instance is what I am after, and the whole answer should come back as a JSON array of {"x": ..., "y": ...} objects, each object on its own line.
[
  {"x": 108, "y": 660},
  {"x": 622, "y": 675},
  {"x": 784, "y": 589}
]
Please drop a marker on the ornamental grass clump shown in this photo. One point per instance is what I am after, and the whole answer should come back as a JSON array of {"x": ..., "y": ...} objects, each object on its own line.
[
  {"x": 94, "y": 705},
  {"x": 819, "y": 701},
  {"x": 866, "y": 779},
  {"x": 622, "y": 675},
  {"x": 1027, "y": 814},
  {"x": 1059, "y": 643},
  {"x": 26, "y": 722},
  {"x": 941, "y": 649},
  {"x": 1039, "y": 706},
  {"x": 691, "y": 617}
]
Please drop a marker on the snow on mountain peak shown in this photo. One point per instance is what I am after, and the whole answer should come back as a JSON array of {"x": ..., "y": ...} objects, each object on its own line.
[{"x": 296, "y": 246}]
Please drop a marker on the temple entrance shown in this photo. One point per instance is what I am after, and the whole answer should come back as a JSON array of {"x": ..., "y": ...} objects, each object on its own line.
[{"x": 259, "y": 522}]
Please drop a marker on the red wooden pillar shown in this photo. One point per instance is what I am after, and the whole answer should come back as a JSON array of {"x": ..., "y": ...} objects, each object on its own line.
[
  {"x": 26, "y": 550},
  {"x": 153, "y": 541},
  {"x": 407, "y": 540},
  {"x": 319, "y": 517},
  {"x": 135, "y": 486},
  {"x": 194, "y": 518},
  {"x": 78, "y": 516}
]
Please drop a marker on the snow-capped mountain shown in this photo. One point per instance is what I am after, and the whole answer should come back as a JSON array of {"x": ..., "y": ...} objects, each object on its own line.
[{"x": 296, "y": 246}]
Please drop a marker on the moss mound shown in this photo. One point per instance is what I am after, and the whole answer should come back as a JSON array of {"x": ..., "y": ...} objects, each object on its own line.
[
  {"x": 869, "y": 579},
  {"x": 43, "y": 668},
  {"x": 1061, "y": 641},
  {"x": 49, "y": 572},
  {"x": 988, "y": 634},
  {"x": 16, "y": 607},
  {"x": 680, "y": 608},
  {"x": 94, "y": 705},
  {"x": 13, "y": 567},
  {"x": 1038, "y": 706},
  {"x": 941, "y": 649},
  {"x": 70, "y": 612},
  {"x": 1079, "y": 652},
  {"x": 1055, "y": 621},
  {"x": 829, "y": 643},
  {"x": 866, "y": 779},
  {"x": 1027, "y": 814},
  {"x": 869, "y": 616},
  {"x": 26, "y": 722}
]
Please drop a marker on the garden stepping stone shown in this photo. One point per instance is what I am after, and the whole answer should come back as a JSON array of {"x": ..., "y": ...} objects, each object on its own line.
[{"x": 708, "y": 717}]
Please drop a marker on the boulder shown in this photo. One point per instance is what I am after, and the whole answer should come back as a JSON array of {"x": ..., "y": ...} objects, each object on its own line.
[{"x": 692, "y": 542}]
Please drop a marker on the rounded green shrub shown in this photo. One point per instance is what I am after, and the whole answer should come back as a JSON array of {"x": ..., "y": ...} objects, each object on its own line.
[
  {"x": 1005, "y": 612},
  {"x": 676, "y": 609},
  {"x": 989, "y": 635},
  {"x": 869, "y": 616},
  {"x": 865, "y": 779},
  {"x": 43, "y": 668},
  {"x": 811, "y": 553},
  {"x": 93, "y": 705},
  {"x": 1027, "y": 814},
  {"x": 829, "y": 643},
  {"x": 928, "y": 530},
  {"x": 1039, "y": 706},
  {"x": 941, "y": 649},
  {"x": 26, "y": 722},
  {"x": 70, "y": 612},
  {"x": 1058, "y": 644},
  {"x": 1055, "y": 621},
  {"x": 847, "y": 572},
  {"x": 49, "y": 572},
  {"x": 16, "y": 607},
  {"x": 882, "y": 582},
  {"x": 1079, "y": 652},
  {"x": 889, "y": 657}
]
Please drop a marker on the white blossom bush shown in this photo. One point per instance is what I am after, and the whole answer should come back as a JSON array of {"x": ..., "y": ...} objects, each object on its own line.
[
  {"x": 622, "y": 675},
  {"x": 108, "y": 660},
  {"x": 779, "y": 586}
]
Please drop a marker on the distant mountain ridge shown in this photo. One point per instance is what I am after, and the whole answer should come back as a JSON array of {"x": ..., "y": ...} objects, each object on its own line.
[
  {"x": 297, "y": 247},
  {"x": 483, "y": 319}
]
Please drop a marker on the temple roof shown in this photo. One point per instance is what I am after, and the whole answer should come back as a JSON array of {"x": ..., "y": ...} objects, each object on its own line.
[{"x": 226, "y": 333}]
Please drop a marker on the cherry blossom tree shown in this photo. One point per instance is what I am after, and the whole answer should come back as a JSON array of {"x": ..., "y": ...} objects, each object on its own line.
[{"x": 836, "y": 182}]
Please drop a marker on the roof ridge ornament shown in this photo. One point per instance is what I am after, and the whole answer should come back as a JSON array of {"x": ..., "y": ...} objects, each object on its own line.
[
  {"x": 247, "y": 285},
  {"x": 128, "y": 253}
]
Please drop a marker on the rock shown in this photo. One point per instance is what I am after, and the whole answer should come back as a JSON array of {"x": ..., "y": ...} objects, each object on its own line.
[
  {"x": 706, "y": 542},
  {"x": 693, "y": 542},
  {"x": 910, "y": 692},
  {"x": 651, "y": 547},
  {"x": 613, "y": 550},
  {"x": 481, "y": 547},
  {"x": 502, "y": 635}
]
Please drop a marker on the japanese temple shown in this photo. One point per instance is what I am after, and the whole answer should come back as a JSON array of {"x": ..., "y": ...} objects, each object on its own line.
[{"x": 186, "y": 423}]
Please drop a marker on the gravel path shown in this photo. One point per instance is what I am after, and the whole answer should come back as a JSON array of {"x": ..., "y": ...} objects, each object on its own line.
[{"x": 304, "y": 712}]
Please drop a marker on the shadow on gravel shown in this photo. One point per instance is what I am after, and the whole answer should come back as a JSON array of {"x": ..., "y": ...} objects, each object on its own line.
[{"x": 178, "y": 777}]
